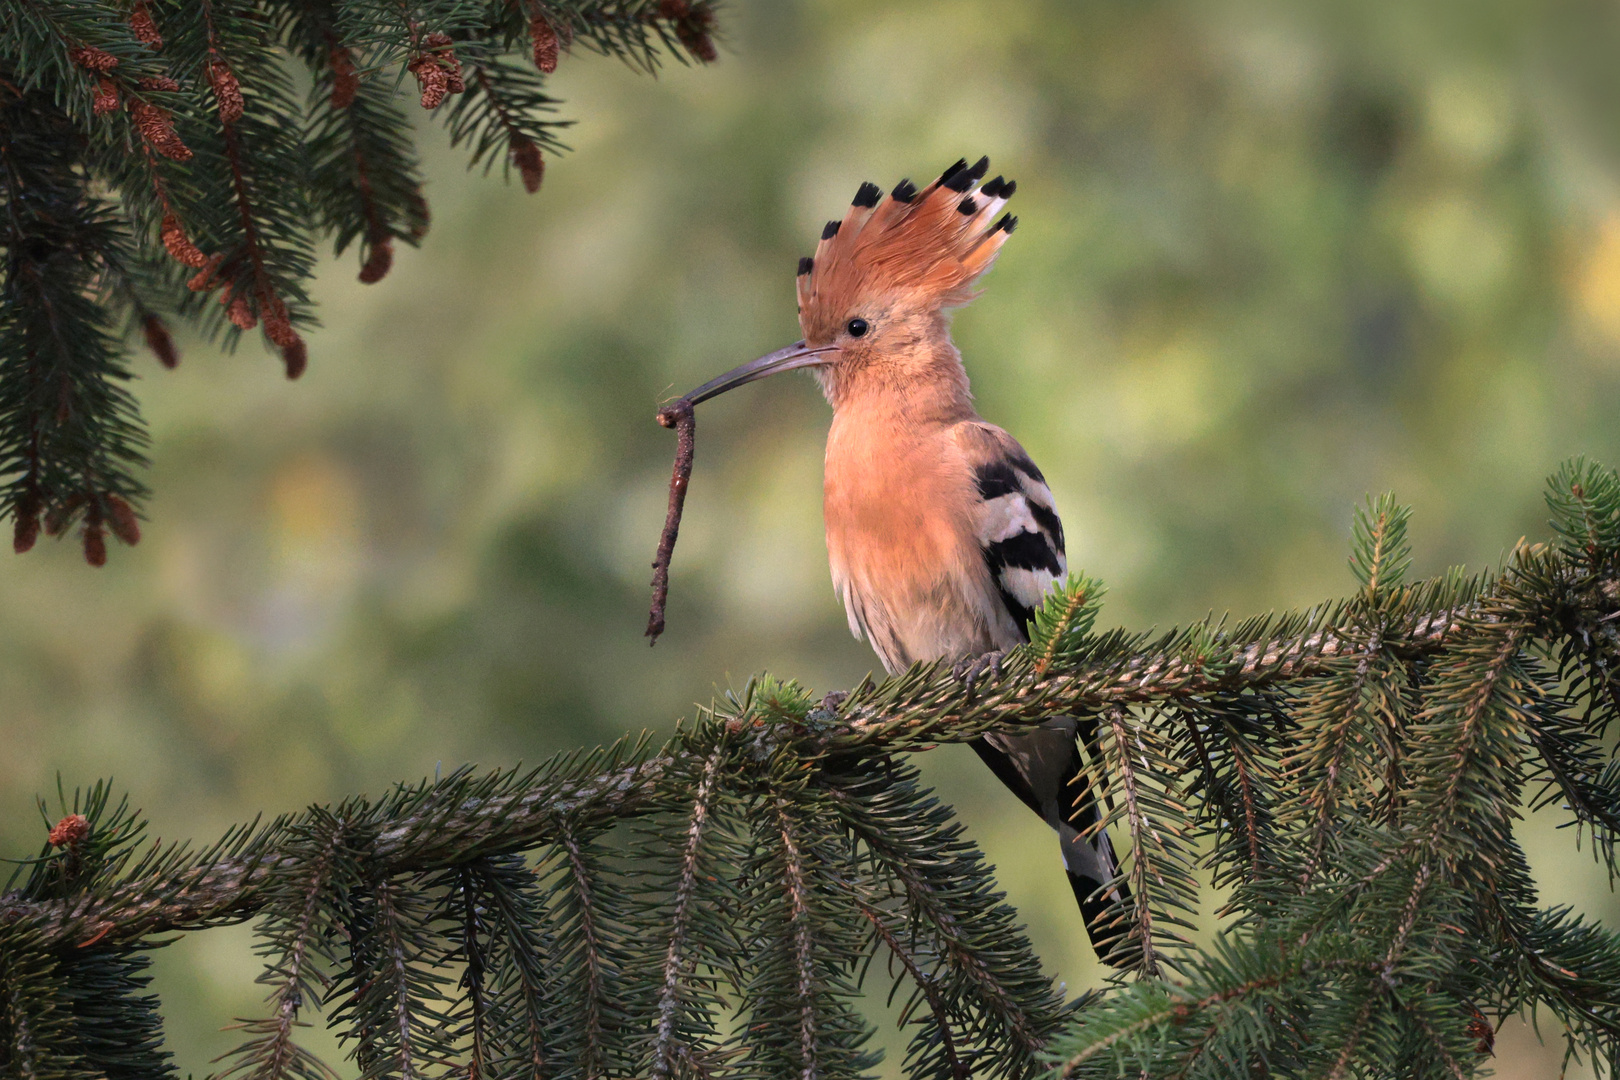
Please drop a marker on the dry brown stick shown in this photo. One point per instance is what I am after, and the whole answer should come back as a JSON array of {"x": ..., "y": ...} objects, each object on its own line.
[{"x": 677, "y": 415}]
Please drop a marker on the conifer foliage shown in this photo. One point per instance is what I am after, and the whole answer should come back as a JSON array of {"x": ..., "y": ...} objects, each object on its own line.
[
  {"x": 164, "y": 159},
  {"x": 1349, "y": 778}
]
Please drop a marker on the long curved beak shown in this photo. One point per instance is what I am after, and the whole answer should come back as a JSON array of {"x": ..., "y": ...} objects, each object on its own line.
[{"x": 795, "y": 356}]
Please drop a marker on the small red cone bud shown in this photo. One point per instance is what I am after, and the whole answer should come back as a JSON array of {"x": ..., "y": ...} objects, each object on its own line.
[
  {"x": 545, "y": 43},
  {"x": 26, "y": 513},
  {"x": 145, "y": 30},
  {"x": 203, "y": 279},
  {"x": 437, "y": 70},
  {"x": 526, "y": 156},
  {"x": 692, "y": 34},
  {"x": 241, "y": 313},
  {"x": 160, "y": 342},
  {"x": 345, "y": 82},
  {"x": 277, "y": 326},
  {"x": 70, "y": 830},
  {"x": 431, "y": 78},
  {"x": 227, "y": 91},
  {"x": 25, "y": 533},
  {"x": 435, "y": 86},
  {"x": 106, "y": 97},
  {"x": 692, "y": 28},
  {"x": 179, "y": 244},
  {"x": 95, "y": 545},
  {"x": 379, "y": 260},
  {"x": 279, "y": 329},
  {"x": 122, "y": 520},
  {"x": 295, "y": 356},
  {"x": 159, "y": 82},
  {"x": 158, "y": 130},
  {"x": 93, "y": 59}
]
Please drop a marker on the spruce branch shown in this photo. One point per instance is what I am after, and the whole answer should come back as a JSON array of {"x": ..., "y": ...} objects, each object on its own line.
[
  {"x": 297, "y": 939},
  {"x": 1237, "y": 743},
  {"x": 463, "y": 899},
  {"x": 675, "y": 1035},
  {"x": 1136, "y": 764},
  {"x": 70, "y": 441},
  {"x": 796, "y": 979},
  {"x": 985, "y": 972},
  {"x": 393, "y": 1006},
  {"x": 157, "y": 167},
  {"x": 428, "y": 825},
  {"x": 505, "y": 949},
  {"x": 36, "y": 1040},
  {"x": 796, "y": 888},
  {"x": 589, "y": 920},
  {"x": 1379, "y": 910},
  {"x": 924, "y": 981}
]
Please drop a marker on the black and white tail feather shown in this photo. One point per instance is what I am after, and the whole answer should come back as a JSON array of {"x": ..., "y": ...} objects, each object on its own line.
[{"x": 1022, "y": 539}]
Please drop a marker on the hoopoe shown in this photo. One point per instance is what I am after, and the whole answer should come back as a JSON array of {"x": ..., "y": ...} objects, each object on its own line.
[{"x": 941, "y": 532}]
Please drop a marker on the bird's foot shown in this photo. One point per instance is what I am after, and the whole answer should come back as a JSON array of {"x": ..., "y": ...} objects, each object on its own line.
[
  {"x": 970, "y": 669},
  {"x": 834, "y": 699}
]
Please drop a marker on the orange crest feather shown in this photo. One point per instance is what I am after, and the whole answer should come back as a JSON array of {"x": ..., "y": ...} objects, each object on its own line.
[{"x": 917, "y": 248}]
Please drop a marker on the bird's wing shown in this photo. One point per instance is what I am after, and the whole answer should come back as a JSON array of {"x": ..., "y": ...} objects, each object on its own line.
[
  {"x": 1019, "y": 533},
  {"x": 1016, "y": 523}
]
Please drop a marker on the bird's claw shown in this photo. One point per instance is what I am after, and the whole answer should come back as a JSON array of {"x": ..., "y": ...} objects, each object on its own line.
[
  {"x": 969, "y": 669},
  {"x": 833, "y": 699}
]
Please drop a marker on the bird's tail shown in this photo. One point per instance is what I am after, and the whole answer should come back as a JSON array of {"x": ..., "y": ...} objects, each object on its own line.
[
  {"x": 1093, "y": 871},
  {"x": 1045, "y": 770}
]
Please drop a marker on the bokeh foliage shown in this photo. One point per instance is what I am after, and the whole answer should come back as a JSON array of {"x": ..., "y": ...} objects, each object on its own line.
[{"x": 1272, "y": 257}]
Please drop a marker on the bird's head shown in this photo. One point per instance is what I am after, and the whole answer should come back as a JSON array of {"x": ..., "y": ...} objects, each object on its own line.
[{"x": 874, "y": 297}]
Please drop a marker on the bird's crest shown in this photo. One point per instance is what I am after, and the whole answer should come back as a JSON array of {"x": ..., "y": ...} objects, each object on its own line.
[{"x": 924, "y": 247}]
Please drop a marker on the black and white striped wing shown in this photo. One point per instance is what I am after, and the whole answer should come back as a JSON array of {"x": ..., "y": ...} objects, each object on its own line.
[{"x": 1020, "y": 535}]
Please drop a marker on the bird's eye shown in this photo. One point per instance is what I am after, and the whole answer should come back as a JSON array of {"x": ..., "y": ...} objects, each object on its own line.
[{"x": 856, "y": 327}]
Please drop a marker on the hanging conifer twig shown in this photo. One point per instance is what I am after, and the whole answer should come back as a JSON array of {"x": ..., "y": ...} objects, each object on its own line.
[{"x": 185, "y": 114}]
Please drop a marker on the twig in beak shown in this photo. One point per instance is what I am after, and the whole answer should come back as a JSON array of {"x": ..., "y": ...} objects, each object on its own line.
[{"x": 677, "y": 415}]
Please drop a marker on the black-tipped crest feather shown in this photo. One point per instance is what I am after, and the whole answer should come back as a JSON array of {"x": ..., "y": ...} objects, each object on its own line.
[{"x": 910, "y": 243}]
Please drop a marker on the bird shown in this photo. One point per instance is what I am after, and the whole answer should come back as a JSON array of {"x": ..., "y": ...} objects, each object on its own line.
[{"x": 942, "y": 534}]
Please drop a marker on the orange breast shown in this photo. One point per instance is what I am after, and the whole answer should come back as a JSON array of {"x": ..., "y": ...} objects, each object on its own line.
[{"x": 898, "y": 501}]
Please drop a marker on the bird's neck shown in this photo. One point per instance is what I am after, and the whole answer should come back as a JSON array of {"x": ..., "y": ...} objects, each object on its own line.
[{"x": 920, "y": 386}]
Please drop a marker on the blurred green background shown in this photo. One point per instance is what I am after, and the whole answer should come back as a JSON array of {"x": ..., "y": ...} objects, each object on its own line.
[{"x": 1273, "y": 257}]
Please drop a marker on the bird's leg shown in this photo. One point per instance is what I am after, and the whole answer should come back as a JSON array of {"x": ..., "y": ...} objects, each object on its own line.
[{"x": 969, "y": 669}]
